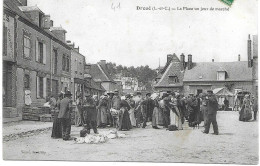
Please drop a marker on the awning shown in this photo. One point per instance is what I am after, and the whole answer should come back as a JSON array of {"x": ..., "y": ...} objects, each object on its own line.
[{"x": 222, "y": 92}]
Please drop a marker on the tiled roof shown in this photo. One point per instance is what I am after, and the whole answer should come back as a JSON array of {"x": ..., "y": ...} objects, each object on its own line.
[
  {"x": 207, "y": 71},
  {"x": 174, "y": 69},
  {"x": 96, "y": 85},
  {"x": 98, "y": 74}
]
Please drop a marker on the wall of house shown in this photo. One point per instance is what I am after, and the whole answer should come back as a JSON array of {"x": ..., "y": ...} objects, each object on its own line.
[
  {"x": 165, "y": 89},
  {"x": 63, "y": 77},
  {"x": 191, "y": 87},
  {"x": 77, "y": 69}
]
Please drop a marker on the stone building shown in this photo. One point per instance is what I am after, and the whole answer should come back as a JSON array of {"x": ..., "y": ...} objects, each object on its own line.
[
  {"x": 170, "y": 78},
  {"x": 90, "y": 85},
  {"x": 77, "y": 71},
  {"x": 39, "y": 64}
]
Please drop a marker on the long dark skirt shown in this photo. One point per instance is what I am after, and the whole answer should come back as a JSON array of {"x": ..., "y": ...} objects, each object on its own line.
[
  {"x": 126, "y": 123},
  {"x": 56, "y": 128}
]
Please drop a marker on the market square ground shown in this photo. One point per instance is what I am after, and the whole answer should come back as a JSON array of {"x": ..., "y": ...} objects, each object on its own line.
[{"x": 236, "y": 144}]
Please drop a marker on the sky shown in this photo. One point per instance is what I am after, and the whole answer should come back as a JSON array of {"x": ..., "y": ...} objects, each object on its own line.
[{"x": 133, "y": 37}]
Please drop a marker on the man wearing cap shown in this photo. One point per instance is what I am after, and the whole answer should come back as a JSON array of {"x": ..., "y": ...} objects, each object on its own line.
[
  {"x": 65, "y": 107},
  {"x": 212, "y": 108},
  {"x": 90, "y": 114},
  {"x": 147, "y": 108}
]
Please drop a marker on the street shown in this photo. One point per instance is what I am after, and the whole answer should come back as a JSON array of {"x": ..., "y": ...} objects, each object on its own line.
[{"x": 237, "y": 143}]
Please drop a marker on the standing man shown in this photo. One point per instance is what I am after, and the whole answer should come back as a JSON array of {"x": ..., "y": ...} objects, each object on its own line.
[
  {"x": 146, "y": 108},
  {"x": 110, "y": 97},
  {"x": 116, "y": 100},
  {"x": 212, "y": 107},
  {"x": 65, "y": 106},
  {"x": 90, "y": 114}
]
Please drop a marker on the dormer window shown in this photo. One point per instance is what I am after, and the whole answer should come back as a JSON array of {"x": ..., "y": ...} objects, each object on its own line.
[
  {"x": 221, "y": 75},
  {"x": 173, "y": 80}
]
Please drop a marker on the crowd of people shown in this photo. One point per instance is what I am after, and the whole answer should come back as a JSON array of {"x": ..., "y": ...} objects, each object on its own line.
[{"x": 168, "y": 110}]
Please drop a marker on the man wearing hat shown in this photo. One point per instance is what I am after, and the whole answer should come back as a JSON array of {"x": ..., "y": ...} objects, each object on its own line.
[
  {"x": 212, "y": 108},
  {"x": 192, "y": 106},
  {"x": 109, "y": 100},
  {"x": 65, "y": 106},
  {"x": 90, "y": 114},
  {"x": 116, "y": 100}
]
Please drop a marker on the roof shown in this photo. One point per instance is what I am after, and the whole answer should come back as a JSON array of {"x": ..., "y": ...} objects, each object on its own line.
[
  {"x": 222, "y": 92},
  {"x": 99, "y": 74},
  {"x": 174, "y": 69},
  {"x": 13, "y": 6},
  {"x": 57, "y": 29},
  {"x": 97, "y": 86},
  {"x": 207, "y": 71},
  {"x": 30, "y": 8}
]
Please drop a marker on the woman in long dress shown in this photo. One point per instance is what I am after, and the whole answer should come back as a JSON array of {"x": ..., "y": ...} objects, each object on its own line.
[
  {"x": 175, "y": 118},
  {"x": 247, "y": 114},
  {"x": 56, "y": 128},
  {"x": 78, "y": 113},
  {"x": 102, "y": 112},
  {"x": 124, "y": 119},
  {"x": 131, "y": 103},
  {"x": 155, "y": 116}
]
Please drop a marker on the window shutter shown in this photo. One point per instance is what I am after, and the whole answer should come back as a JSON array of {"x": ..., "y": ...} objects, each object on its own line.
[
  {"x": 36, "y": 51},
  {"x": 44, "y": 53},
  {"x": 44, "y": 87},
  {"x": 38, "y": 87}
]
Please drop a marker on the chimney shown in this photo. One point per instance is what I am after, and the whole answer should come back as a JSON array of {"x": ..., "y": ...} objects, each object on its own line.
[
  {"x": 51, "y": 23},
  {"x": 189, "y": 61},
  {"x": 23, "y": 2},
  {"x": 34, "y": 13},
  {"x": 169, "y": 58},
  {"x": 249, "y": 51},
  {"x": 87, "y": 68},
  {"x": 182, "y": 57},
  {"x": 238, "y": 57},
  {"x": 46, "y": 22},
  {"x": 59, "y": 32},
  {"x": 212, "y": 60},
  {"x": 76, "y": 49},
  {"x": 103, "y": 62}
]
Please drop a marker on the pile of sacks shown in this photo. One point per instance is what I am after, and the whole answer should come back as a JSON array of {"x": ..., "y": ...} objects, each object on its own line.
[{"x": 99, "y": 138}]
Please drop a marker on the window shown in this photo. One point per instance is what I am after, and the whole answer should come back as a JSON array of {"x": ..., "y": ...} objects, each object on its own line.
[
  {"x": 173, "y": 80},
  {"x": 40, "y": 52},
  {"x": 199, "y": 91},
  {"x": 65, "y": 63},
  {"x": 68, "y": 65},
  {"x": 55, "y": 61},
  {"x": 5, "y": 40},
  {"x": 26, "y": 46},
  {"x": 26, "y": 81},
  {"x": 41, "y": 87},
  {"x": 221, "y": 75}
]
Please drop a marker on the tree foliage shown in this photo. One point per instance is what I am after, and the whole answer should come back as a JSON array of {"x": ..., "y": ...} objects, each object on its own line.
[{"x": 144, "y": 74}]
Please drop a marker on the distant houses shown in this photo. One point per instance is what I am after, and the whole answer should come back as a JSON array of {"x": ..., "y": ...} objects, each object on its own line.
[{"x": 196, "y": 77}]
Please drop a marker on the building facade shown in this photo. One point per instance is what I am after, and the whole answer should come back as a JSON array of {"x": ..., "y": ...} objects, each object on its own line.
[{"x": 37, "y": 58}]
